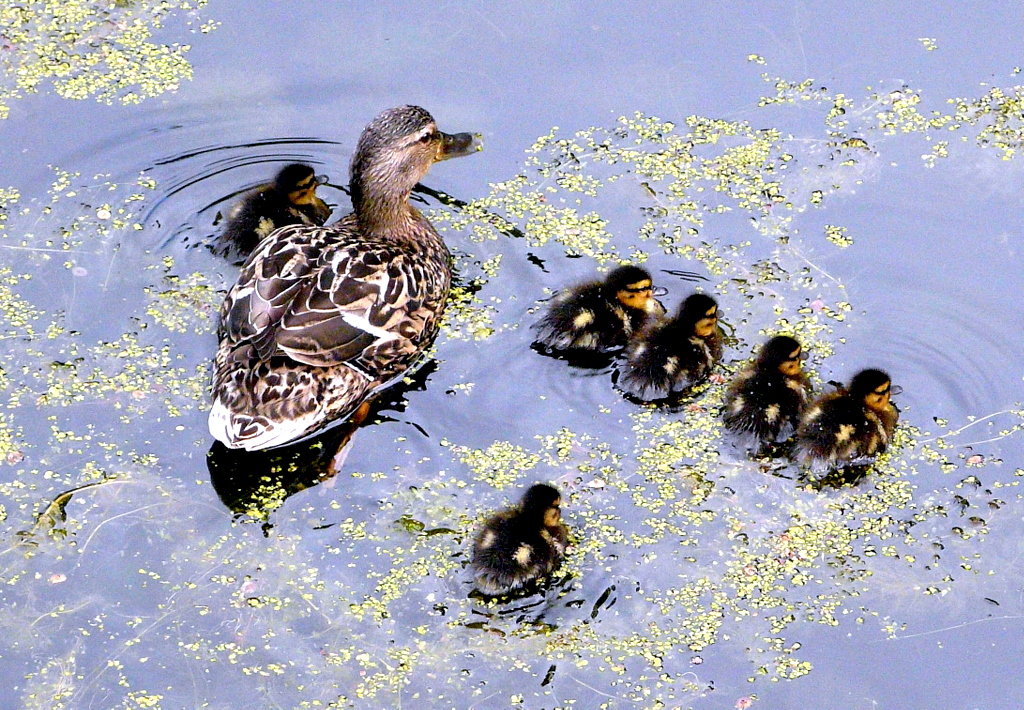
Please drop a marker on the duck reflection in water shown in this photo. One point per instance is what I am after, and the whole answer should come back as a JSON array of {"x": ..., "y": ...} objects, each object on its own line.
[{"x": 256, "y": 483}]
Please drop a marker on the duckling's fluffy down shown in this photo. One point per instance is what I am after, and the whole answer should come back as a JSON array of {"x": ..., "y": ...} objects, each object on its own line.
[
  {"x": 837, "y": 428},
  {"x": 762, "y": 403},
  {"x": 584, "y": 318},
  {"x": 509, "y": 552}
]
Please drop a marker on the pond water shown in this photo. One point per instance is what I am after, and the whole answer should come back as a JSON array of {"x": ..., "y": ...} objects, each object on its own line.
[{"x": 850, "y": 175}]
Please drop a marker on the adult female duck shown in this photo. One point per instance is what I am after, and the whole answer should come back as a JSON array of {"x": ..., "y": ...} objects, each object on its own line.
[{"x": 323, "y": 317}]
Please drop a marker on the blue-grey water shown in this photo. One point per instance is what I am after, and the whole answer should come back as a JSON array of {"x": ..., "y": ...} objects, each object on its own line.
[{"x": 354, "y": 591}]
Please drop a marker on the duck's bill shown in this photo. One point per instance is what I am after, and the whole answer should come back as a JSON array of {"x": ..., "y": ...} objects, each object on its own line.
[{"x": 454, "y": 145}]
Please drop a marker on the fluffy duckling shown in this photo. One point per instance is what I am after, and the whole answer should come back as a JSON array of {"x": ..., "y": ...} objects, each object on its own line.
[
  {"x": 669, "y": 356},
  {"x": 289, "y": 199},
  {"x": 520, "y": 544},
  {"x": 849, "y": 423},
  {"x": 323, "y": 318},
  {"x": 599, "y": 316},
  {"x": 768, "y": 395}
]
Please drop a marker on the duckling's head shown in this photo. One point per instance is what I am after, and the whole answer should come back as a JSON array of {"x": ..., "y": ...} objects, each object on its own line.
[
  {"x": 395, "y": 151},
  {"x": 699, "y": 314},
  {"x": 297, "y": 181},
  {"x": 873, "y": 387},
  {"x": 781, "y": 353},
  {"x": 542, "y": 504},
  {"x": 632, "y": 287}
]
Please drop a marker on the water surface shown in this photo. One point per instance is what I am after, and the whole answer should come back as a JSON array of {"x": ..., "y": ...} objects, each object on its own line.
[{"x": 697, "y": 579}]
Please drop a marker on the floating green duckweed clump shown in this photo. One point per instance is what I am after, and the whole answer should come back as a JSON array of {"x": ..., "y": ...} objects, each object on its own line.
[
  {"x": 183, "y": 303},
  {"x": 100, "y": 50},
  {"x": 684, "y": 554}
]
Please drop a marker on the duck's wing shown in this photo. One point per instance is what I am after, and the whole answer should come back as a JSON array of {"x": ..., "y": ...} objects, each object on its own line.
[
  {"x": 321, "y": 297},
  {"x": 267, "y": 283}
]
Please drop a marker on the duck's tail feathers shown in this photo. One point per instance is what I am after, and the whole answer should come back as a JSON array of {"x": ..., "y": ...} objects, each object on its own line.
[{"x": 254, "y": 432}]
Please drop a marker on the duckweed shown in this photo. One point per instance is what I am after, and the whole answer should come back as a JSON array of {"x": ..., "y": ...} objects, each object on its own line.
[{"x": 100, "y": 50}]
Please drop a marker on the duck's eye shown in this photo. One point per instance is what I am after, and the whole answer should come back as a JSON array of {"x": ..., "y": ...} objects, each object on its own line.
[{"x": 426, "y": 137}]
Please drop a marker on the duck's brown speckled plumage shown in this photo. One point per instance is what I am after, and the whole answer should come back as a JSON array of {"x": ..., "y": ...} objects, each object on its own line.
[{"x": 321, "y": 317}]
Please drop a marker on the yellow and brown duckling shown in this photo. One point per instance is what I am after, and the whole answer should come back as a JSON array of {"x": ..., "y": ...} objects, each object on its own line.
[
  {"x": 850, "y": 423},
  {"x": 671, "y": 355},
  {"x": 290, "y": 199},
  {"x": 598, "y": 316},
  {"x": 768, "y": 396},
  {"x": 322, "y": 318},
  {"x": 521, "y": 544}
]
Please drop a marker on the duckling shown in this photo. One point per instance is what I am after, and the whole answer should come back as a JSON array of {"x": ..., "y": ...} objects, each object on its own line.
[
  {"x": 849, "y": 423},
  {"x": 598, "y": 316},
  {"x": 769, "y": 394},
  {"x": 290, "y": 199},
  {"x": 323, "y": 317},
  {"x": 670, "y": 355},
  {"x": 520, "y": 544}
]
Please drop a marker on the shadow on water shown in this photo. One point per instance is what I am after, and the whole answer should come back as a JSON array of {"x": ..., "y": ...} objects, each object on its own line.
[
  {"x": 256, "y": 483},
  {"x": 526, "y": 610}
]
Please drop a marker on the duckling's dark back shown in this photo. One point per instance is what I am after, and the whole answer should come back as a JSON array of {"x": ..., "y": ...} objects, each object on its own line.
[
  {"x": 267, "y": 207},
  {"x": 761, "y": 402},
  {"x": 512, "y": 550},
  {"x": 663, "y": 360},
  {"x": 838, "y": 427},
  {"x": 584, "y": 318}
]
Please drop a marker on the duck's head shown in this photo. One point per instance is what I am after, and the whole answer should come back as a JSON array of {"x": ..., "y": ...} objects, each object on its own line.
[
  {"x": 781, "y": 353},
  {"x": 395, "y": 151},
  {"x": 699, "y": 314},
  {"x": 632, "y": 287},
  {"x": 298, "y": 181},
  {"x": 873, "y": 387},
  {"x": 542, "y": 503}
]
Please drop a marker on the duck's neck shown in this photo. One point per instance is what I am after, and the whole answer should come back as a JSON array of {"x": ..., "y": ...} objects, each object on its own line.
[{"x": 379, "y": 206}]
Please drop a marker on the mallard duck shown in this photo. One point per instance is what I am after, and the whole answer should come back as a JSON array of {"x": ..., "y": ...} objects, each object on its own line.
[
  {"x": 321, "y": 318},
  {"x": 290, "y": 199},
  {"x": 768, "y": 395},
  {"x": 672, "y": 354},
  {"x": 520, "y": 544},
  {"x": 598, "y": 316},
  {"x": 849, "y": 423}
]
